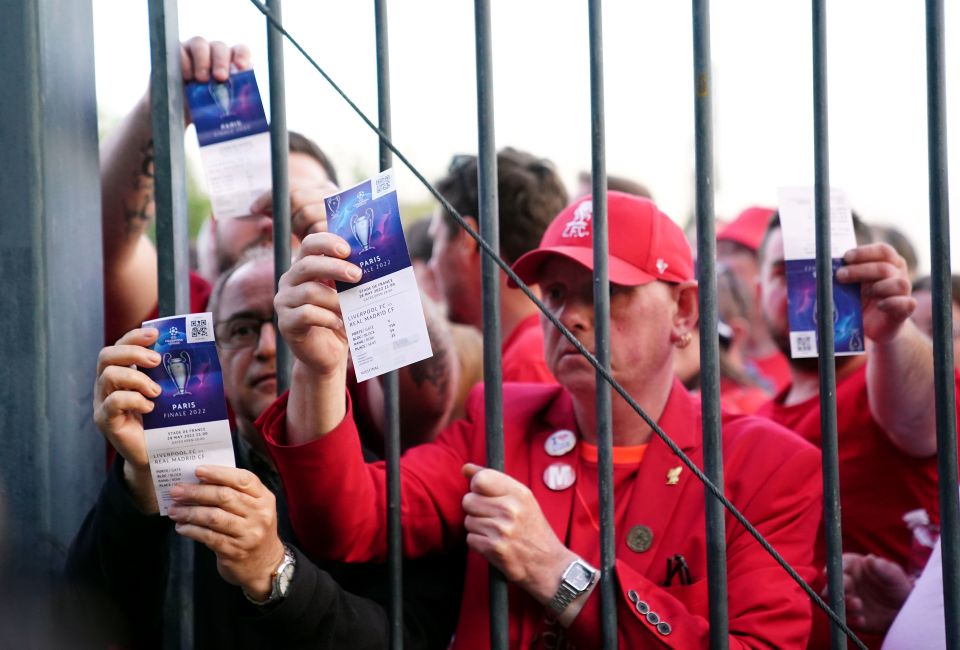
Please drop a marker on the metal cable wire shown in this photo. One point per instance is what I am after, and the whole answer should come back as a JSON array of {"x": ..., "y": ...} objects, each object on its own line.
[{"x": 732, "y": 509}]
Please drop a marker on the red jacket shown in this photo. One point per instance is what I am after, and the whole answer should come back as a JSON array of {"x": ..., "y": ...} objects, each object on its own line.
[{"x": 337, "y": 506}]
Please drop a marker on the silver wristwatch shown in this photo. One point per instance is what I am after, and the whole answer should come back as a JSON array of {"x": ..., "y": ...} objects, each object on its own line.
[
  {"x": 281, "y": 578},
  {"x": 578, "y": 577}
]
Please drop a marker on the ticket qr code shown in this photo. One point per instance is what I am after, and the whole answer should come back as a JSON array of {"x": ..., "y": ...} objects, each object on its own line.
[
  {"x": 200, "y": 328},
  {"x": 383, "y": 183},
  {"x": 803, "y": 344}
]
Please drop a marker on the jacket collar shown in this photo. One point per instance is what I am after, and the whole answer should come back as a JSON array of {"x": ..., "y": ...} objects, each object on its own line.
[{"x": 653, "y": 501}]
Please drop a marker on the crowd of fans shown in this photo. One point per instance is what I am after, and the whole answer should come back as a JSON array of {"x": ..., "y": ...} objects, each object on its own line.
[{"x": 308, "y": 488}]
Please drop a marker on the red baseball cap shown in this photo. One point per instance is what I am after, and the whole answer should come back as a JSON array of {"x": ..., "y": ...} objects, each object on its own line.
[
  {"x": 645, "y": 244},
  {"x": 748, "y": 228}
]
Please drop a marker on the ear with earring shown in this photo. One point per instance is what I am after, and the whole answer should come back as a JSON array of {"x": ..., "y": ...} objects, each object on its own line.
[{"x": 684, "y": 340}]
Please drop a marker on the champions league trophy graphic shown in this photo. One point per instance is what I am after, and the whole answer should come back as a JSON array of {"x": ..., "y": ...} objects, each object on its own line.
[
  {"x": 222, "y": 95},
  {"x": 836, "y": 314},
  {"x": 362, "y": 226},
  {"x": 856, "y": 341},
  {"x": 178, "y": 368},
  {"x": 334, "y": 204}
]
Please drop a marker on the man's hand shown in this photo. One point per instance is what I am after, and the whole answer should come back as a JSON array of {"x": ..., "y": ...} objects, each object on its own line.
[
  {"x": 202, "y": 61},
  {"x": 884, "y": 289},
  {"x": 308, "y": 310},
  {"x": 121, "y": 395},
  {"x": 506, "y": 526},
  {"x": 875, "y": 590},
  {"x": 308, "y": 213},
  {"x": 235, "y": 516}
]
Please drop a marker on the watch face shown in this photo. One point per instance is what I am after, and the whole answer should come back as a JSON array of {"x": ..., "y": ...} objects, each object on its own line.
[
  {"x": 579, "y": 576},
  {"x": 284, "y": 578}
]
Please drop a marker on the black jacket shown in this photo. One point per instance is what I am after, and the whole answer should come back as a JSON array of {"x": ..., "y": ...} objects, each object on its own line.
[{"x": 124, "y": 554}]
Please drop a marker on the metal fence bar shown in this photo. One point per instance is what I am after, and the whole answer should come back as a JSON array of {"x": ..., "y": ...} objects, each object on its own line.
[
  {"x": 825, "y": 342},
  {"x": 942, "y": 322},
  {"x": 166, "y": 104},
  {"x": 601, "y": 320},
  {"x": 709, "y": 341},
  {"x": 279, "y": 157},
  {"x": 487, "y": 196},
  {"x": 493, "y": 255},
  {"x": 391, "y": 385}
]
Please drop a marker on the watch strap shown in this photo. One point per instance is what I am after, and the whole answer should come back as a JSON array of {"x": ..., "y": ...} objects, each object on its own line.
[
  {"x": 562, "y": 599},
  {"x": 288, "y": 559}
]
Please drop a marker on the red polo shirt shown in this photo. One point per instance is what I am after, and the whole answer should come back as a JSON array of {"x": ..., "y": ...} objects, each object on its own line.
[{"x": 878, "y": 482}]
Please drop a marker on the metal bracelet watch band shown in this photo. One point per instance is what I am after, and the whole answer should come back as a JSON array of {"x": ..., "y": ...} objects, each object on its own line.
[
  {"x": 577, "y": 578},
  {"x": 280, "y": 579}
]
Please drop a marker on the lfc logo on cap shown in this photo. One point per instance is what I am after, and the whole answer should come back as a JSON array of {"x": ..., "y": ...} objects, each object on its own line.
[
  {"x": 579, "y": 224},
  {"x": 661, "y": 265},
  {"x": 559, "y": 476}
]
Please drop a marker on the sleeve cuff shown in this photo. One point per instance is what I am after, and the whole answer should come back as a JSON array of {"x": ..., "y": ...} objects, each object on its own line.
[{"x": 116, "y": 500}]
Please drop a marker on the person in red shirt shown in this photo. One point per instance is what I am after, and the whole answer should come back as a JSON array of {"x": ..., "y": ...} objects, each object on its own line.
[
  {"x": 530, "y": 194},
  {"x": 130, "y": 258},
  {"x": 885, "y": 421},
  {"x": 739, "y": 392},
  {"x": 737, "y": 246},
  {"x": 126, "y": 183},
  {"x": 537, "y": 521}
]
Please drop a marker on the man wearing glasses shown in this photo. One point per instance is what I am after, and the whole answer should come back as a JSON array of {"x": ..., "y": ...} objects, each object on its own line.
[{"x": 121, "y": 550}]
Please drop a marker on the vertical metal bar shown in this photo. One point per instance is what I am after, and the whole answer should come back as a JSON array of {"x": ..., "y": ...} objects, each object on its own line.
[
  {"x": 490, "y": 282},
  {"x": 943, "y": 323},
  {"x": 166, "y": 105},
  {"x": 601, "y": 307},
  {"x": 391, "y": 386},
  {"x": 280, "y": 151},
  {"x": 709, "y": 342},
  {"x": 825, "y": 343}
]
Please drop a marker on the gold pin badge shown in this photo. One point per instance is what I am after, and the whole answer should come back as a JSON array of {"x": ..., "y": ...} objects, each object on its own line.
[
  {"x": 639, "y": 538},
  {"x": 673, "y": 475}
]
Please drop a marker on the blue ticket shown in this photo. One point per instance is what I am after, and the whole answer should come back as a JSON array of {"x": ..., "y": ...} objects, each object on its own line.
[
  {"x": 802, "y": 311},
  {"x": 226, "y": 110},
  {"x": 234, "y": 141},
  {"x": 382, "y": 312},
  {"x": 797, "y": 219},
  {"x": 189, "y": 425}
]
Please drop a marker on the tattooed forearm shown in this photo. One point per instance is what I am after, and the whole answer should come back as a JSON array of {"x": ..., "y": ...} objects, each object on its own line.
[
  {"x": 140, "y": 208},
  {"x": 435, "y": 370}
]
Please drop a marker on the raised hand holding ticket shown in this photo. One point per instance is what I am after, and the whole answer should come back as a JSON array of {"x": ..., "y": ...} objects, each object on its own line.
[
  {"x": 382, "y": 312},
  {"x": 189, "y": 426}
]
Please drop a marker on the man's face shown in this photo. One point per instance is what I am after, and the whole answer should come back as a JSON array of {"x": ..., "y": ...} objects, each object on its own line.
[
  {"x": 741, "y": 261},
  {"x": 235, "y": 236},
  {"x": 452, "y": 274},
  {"x": 250, "y": 371},
  {"x": 773, "y": 290},
  {"x": 641, "y": 322}
]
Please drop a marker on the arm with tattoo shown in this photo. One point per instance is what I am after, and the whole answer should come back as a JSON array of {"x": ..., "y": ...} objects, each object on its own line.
[
  {"x": 129, "y": 258},
  {"x": 126, "y": 185},
  {"x": 427, "y": 388}
]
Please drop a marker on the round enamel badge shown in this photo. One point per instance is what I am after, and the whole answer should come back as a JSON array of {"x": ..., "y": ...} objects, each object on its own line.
[
  {"x": 560, "y": 442},
  {"x": 559, "y": 476}
]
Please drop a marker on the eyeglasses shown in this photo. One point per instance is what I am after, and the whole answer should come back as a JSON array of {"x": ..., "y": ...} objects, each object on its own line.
[{"x": 241, "y": 332}]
